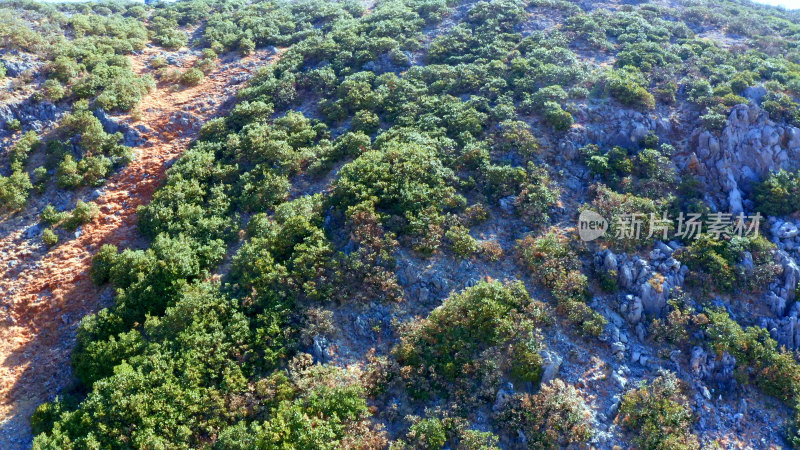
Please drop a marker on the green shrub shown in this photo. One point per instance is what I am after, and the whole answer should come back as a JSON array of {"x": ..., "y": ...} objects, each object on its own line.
[
  {"x": 628, "y": 86},
  {"x": 678, "y": 323},
  {"x": 49, "y": 237},
  {"x": 713, "y": 261},
  {"x": 64, "y": 68},
  {"x": 556, "y": 117},
  {"x": 445, "y": 347},
  {"x": 122, "y": 90},
  {"x": 516, "y": 136},
  {"x": 82, "y": 214},
  {"x": 18, "y": 155},
  {"x": 14, "y": 190},
  {"x": 556, "y": 266},
  {"x": 659, "y": 415},
  {"x": 759, "y": 360},
  {"x": 779, "y": 193},
  {"x": 158, "y": 62},
  {"x": 715, "y": 119},
  {"x": 612, "y": 166},
  {"x": 94, "y": 169},
  {"x": 102, "y": 263},
  {"x": 191, "y": 77},
  {"x": 463, "y": 244},
  {"x": 406, "y": 180},
  {"x": 67, "y": 175},
  {"x": 502, "y": 181},
  {"x": 47, "y": 414},
  {"x": 548, "y": 257},
  {"x": 556, "y": 417},
  {"x": 368, "y": 272},
  {"x": 40, "y": 177},
  {"x": 622, "y": 235},
  {"x": 428, "y": 433},
  {"x": 262, "y": 189},
  {"x": 53, "y": 90},
  {"x": 167, "y": 34},
  {"x": 365, "y": 121},
  {"x": 89, "y": 171},
  {"x": 51, "y": 216},
  {"x": 13, "y": 125},
  {"x": 554, "y": 94},
  {"x": 93, "y": 138},
  {"x": 285, "y": 260},
  {"x": 246, "y": 46},
  {"x": 537, "y": 196}
]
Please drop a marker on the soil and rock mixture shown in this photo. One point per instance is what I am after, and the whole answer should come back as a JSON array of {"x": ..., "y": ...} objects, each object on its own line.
[{"x": 46, "y": 292}]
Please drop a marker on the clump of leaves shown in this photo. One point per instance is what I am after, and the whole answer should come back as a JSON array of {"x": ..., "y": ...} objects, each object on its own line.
[{"x": 659, "y": 415}]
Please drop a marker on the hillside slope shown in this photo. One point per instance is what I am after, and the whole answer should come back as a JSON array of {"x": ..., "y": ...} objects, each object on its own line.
[{"x": 373, "y": 230}]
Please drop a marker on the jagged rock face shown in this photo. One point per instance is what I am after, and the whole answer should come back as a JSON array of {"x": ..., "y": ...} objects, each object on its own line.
[
  {"x": 781, "y": 297},
  {"x": 649, "y": 282},
  {"x": 748, "y": 149},
  {"x": 32, "y": 115},
  {"x": 717, "y": 370},
  {"x": 623, "y": 127},
  {"x": 20, "y": 65},
  {"x": 781, "y": 300}
]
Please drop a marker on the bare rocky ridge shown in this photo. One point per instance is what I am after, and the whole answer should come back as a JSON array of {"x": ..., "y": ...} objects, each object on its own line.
[{"x": 748, "y": 149}]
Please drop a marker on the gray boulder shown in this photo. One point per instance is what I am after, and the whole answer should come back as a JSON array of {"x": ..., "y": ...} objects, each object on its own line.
[
  {"x": 653, "y": 300},
  {"x": 755, "y": 93},
  {"x": 551, "y": 363},
  {"x": 748, "y": 149},
  {"x": 15, "y": 68},
  {"x": 507, "y": 204}
]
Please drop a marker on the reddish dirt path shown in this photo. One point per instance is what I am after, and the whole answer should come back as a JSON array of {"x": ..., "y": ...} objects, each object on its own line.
[{"x": 46, "y": 300}]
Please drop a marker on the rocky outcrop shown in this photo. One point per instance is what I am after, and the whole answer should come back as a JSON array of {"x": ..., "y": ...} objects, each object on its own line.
[
  {"x": 748, "y": 148},
  {"x": 131, "y": 136},
  {"x": 551, "y": 363},
  {"x": 781, "y": 296},
  {"x": 19, "y": 65},
  {"x": 648, "y": 283},
  {"x": 781, "y": 299},
  {"x": 713, "y": 369},
  {"x": 183, "y": 123},
  {"x": 622, "y": 127},
  {"x": 32, "y": 115}
]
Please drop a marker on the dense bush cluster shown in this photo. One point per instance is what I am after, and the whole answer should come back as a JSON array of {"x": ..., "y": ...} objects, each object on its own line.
[
  {"x": 555, "y": 417},
  {"x": 83, "y": 49},
  {"x": 718, "y": 262},
  {"x": 779, "y": 193},
  {"x": 99, "y": 152},
  {"x": 488, "y": 326},
  {"x": 759, "y": 361},
  {"x": 627, "y": 231},
  {"x": 647, "y": 172},
  {"x": 658, "y": 414},
  {"x": 555, "y": 265}
]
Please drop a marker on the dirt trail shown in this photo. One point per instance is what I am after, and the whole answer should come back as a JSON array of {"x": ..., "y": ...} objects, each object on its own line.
[{"x": 46, "y": 294}]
